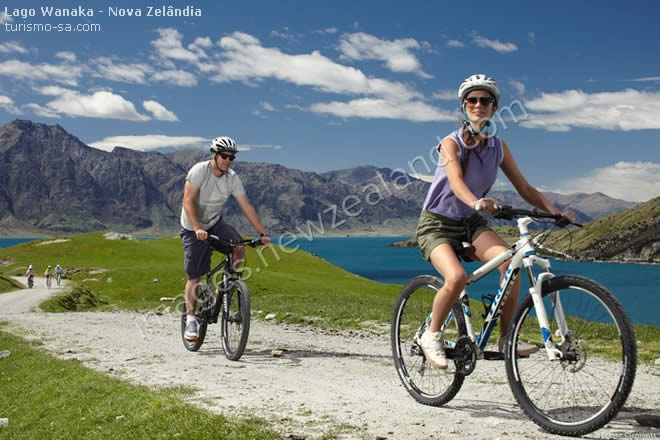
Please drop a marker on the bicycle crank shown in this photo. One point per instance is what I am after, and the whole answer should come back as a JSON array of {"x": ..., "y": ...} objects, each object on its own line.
[{"x": 465, "y": 355}]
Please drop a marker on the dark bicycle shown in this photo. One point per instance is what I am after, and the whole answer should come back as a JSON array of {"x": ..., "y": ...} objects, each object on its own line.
[{"x": 232, "y": 294}]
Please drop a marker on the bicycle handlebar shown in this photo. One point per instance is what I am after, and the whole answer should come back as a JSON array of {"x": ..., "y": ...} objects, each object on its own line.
[
  {"x": 509, "y": 213},
  {"x": 506, "y": 212},
  {"x": 252, "y": 242}
]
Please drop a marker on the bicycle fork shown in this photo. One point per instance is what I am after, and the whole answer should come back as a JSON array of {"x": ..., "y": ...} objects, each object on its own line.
[{"x": 541, "y": 315}]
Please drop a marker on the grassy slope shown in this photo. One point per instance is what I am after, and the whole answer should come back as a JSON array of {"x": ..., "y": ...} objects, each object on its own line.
[
  {"x": 610, "y": 235},
  {"x": 296, "y": 286},
  {"x": 7, "y": 284},
  {"x": 47, "y": 398}
]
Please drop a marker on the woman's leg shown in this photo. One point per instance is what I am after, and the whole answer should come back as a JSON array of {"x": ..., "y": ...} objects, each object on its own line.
[
  {"x": 446, "y": 262},
  {"x": 487, "y": 246}
]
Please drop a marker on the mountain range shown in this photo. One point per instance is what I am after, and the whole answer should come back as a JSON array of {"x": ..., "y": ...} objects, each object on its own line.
[{"x": 52, "y": 183}]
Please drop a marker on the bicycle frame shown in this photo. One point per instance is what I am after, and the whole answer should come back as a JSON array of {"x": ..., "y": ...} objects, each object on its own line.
[{"x": 521, "y": 253}]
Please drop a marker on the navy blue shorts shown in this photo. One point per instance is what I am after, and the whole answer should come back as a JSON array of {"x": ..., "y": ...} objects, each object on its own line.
[{"x": 197, "y": 253}]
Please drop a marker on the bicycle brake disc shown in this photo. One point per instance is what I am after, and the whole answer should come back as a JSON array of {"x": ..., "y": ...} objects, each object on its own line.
[{"x": 465, "y": 355}]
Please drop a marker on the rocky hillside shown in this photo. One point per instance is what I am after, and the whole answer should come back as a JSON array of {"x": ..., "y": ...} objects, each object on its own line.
[
  {"x": 633, "y": 234},
  {"x": 52, "y": 183}
]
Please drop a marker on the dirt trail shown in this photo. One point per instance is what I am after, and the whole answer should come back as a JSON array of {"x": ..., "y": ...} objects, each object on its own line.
[{"x": 325, "y": 381}]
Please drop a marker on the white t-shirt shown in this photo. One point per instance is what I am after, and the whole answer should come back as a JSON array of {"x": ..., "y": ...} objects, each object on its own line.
[{"x": 214, "y": 191}]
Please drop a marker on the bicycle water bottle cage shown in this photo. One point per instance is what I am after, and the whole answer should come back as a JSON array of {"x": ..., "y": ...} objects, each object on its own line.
[{"x": 487, "y": 301}]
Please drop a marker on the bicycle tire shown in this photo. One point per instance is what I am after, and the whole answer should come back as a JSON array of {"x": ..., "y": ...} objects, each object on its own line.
[
  {"x": 584, "y": 391},
  {"x": 202, "y": 320},
  {"x": 235, "y": 321},
  {"x": 426, "y": 384},
  {"x": 48, "y": 282}
]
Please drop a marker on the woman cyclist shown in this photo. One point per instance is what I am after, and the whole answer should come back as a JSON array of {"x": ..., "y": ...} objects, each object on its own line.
[{"x": 470, "y": 161}]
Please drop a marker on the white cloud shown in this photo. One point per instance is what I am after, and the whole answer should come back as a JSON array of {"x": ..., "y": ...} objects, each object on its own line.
[
  {"x": 496, "y": 45},
  {"x": 445, "y": 95},
  {"x": 396, "y": 54},
  {"x": 624, "y": 110},
  {"x": 631, "y": 181},
  {"x": 63, "y": 74},
  {"x": 148, "y": 142},
  {"x": 518, "y": 85},
  {"x": 12, "y": 46},
  {"x": 455, "y": 43},
  {"x": 244, "y": 59},
  {"x": 176, "y": 77},
  {"x": 100, "y": 104},
  {"x": 66, "y": 56},
  {"x": 169, "y": 45},
  {"x": 5, "y": 18},
  {"x": 416, "y": 111},
  {"x": 330, "y": 30},
  {"x": 648, "y": 78},
  {"x": 128, "y": 73},
  {"x": 42, "y": 111},
  {"x": 159, "y": 112},
  {"x": 7, "y": 104}
]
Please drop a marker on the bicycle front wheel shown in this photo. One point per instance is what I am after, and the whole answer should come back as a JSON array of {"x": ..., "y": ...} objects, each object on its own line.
[
  {"x": 586, "y": 388},
  {"x": 235, "y": 320},
  {"x": 426, "y": 384}
]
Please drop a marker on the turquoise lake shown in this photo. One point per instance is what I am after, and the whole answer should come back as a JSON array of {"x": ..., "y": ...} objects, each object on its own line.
[{"x": 637, "y": 286}]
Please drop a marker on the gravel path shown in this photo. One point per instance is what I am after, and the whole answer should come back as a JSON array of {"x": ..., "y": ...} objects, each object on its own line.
[{"x": 323, "y": 382}]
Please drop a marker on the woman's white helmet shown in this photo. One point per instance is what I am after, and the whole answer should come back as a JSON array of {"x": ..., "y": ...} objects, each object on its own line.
[
  {"x": 478, "y": 82},
  {"x": 223, "y": 143}
]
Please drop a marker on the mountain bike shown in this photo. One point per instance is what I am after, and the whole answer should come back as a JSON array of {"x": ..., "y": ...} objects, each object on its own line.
[
  {"x": 58, "y": 278},
  {"x": 232, "y": 294},
  {"x": 48, "y": 280},
  {"x": 585, "y": 368}
]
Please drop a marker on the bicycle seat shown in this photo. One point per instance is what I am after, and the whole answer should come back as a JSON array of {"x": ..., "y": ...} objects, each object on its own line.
[{"x": 463, "y": 251}]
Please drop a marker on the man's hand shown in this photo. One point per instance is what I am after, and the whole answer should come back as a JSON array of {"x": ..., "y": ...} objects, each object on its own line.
[
  {"x": 201, "y": 234},
  {"x": 265, "y": 240}
]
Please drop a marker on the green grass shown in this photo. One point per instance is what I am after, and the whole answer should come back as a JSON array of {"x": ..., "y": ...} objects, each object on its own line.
[
  {"x": 295, "y": 285},
  {"x": 47, "y": 398},
  {"x": 7, "y": 284}
]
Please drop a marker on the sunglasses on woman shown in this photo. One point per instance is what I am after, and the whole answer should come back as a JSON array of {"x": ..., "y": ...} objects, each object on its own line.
[
  {"x": 484, "y": 100},
  {"x": 225, "y": 156}
]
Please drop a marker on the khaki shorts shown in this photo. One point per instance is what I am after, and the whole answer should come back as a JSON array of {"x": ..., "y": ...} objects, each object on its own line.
[{"x": 435, "y": 229}]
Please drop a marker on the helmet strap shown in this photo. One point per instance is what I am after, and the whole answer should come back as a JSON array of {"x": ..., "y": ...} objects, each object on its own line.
[{"x": 215, "y": 160}]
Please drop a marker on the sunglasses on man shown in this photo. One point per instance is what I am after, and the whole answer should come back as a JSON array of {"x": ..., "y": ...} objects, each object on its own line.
[{"x": 231, "y": 157}]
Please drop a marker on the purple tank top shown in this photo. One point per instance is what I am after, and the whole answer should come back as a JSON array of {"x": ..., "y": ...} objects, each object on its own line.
[{"x": 479, "y": 176}]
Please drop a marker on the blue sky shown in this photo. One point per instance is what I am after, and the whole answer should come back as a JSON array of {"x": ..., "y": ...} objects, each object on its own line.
[{"x": 329, "y": 85}]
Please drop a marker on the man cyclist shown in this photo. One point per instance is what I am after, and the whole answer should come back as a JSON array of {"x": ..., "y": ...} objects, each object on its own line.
[
  {"x": 58, "y": 274},
  {"x": 208, "y": 186},
  {"x": 48, "y": 273}
]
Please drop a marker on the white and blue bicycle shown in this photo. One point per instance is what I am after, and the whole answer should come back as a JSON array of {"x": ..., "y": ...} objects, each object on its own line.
[{"x": 585, "y": 368}]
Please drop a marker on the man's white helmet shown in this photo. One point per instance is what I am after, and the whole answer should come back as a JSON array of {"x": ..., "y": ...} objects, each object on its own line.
[
  {"x": 478, "y": 82},
  {"x": 223, "y": 143},
  {"x": 30, "y": 266}
]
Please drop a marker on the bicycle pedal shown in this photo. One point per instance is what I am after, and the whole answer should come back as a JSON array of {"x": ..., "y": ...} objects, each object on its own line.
[{"x": 493, "y": 356}]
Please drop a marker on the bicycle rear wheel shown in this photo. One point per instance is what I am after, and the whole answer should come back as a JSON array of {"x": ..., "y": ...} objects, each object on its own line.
[
  {"x": 586, "y": 388},
  {"x": 204, "y": 297},
  {"x": 235, "y": 320},
  {"x": 427, "y": 385}
]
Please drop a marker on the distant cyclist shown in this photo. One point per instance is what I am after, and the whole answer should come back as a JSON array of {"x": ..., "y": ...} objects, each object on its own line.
[
  {"x": 58, "y": 274},
  {"x": 29, "y": 274},
  {"x": 470, "y": 161},
  {"x": 48, "y": 274},
  {"x": 208, "y": 186}
]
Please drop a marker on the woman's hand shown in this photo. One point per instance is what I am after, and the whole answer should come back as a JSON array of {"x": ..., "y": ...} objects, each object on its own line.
[{"x": 486, "y": 204}]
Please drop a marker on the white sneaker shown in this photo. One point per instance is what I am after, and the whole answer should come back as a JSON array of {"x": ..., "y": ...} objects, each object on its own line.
[
  {"x": 190, "y": 334},
  {"x": 523, "y": 349},
  {"x": 433, "y": 347}
]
